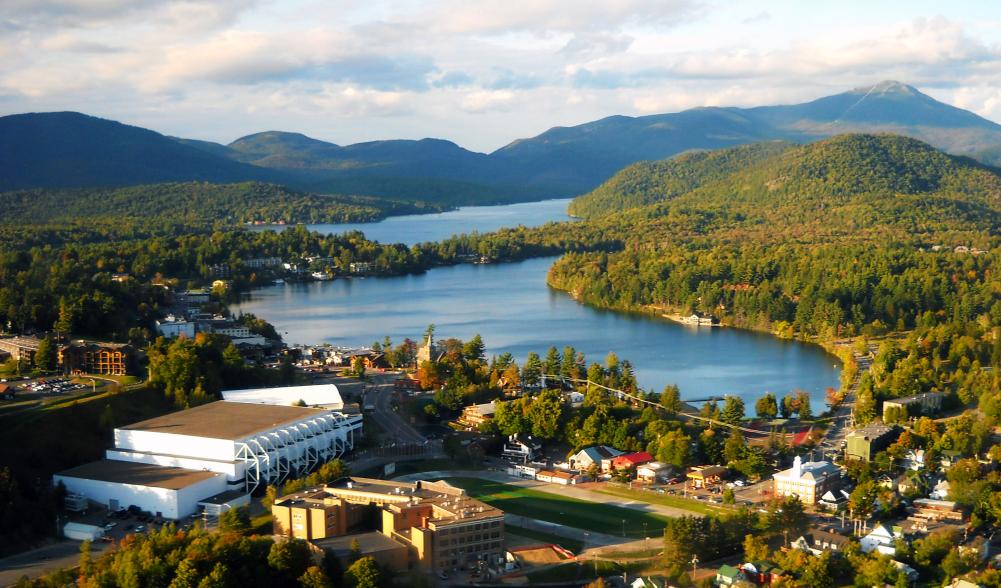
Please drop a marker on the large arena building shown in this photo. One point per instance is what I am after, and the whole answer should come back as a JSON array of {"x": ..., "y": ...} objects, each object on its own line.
[{"x": 170, "y": 463}]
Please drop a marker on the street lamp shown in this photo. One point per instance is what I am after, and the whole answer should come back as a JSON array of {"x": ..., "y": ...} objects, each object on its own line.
[
  {"x": 623, "y": 527},
  {"x": 695, "y": 564}
]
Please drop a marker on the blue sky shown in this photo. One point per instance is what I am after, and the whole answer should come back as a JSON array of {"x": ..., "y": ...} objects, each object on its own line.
[{"x": 479, "y": 72}]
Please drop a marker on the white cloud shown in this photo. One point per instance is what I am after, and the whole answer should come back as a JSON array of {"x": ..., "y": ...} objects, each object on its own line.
[{"x": 481, "y": 73}]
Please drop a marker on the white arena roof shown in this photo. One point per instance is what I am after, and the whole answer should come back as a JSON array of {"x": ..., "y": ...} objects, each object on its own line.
[{"x": 325, "y": 395}]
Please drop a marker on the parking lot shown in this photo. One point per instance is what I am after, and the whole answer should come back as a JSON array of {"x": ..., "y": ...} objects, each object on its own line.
[{"x": 127, "y": 521}]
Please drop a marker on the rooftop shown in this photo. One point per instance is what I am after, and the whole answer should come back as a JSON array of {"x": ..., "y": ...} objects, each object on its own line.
[
  {"x": 872, "y": 431},
  {"x": 138, "y": 474},
  {"x": 448, "y": 503},
  {"x": 225, "y": 420},
  {"x": 316, "y": 395}
]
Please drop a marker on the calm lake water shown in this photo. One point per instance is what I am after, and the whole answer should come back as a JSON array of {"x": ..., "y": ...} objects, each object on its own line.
[
  {"x": 514, "y": 310},
  {"x": 422, "y": 228}
]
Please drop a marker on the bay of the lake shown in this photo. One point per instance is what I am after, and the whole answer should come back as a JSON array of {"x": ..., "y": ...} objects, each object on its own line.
[{"x": 514, "y": 310}]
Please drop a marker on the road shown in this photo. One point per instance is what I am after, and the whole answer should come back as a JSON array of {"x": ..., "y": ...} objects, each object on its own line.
[
  {"x": 835, "y": 435},
  {"x": 379, "y": 392},
  {"x": 37, "y": 562}
]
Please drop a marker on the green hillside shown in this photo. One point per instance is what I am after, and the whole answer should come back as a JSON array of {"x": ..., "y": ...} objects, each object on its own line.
[{"x": 192, "y": 204}]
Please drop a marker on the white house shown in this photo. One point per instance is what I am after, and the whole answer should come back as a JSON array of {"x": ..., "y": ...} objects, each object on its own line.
[
  {"x": 652, "y": 471},
  {"x": 600, "y": 455},
  {"x": 521, "y": 448},
  {"x": 881, "y": 539},
  {"x": 940, "y": 491}
]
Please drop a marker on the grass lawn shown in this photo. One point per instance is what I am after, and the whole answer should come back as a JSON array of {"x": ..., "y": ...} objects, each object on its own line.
[
  {"x": 573, "y": 545},
  {"x": 696, "y": 506},
  {"x": 563, "y": 510}
]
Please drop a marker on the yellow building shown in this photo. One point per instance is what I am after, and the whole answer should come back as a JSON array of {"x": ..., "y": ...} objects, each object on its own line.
[
  {"x": 808, "y": 481},
  {"x": 442, "y": 528}
]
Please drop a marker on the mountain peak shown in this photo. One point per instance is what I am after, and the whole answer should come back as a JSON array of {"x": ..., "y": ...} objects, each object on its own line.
[{"x": 887, "y": 87}]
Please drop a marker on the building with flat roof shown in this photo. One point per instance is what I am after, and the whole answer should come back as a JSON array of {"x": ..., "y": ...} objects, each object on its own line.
[
  {"x": 240, "y": 445},
  {"x": 442, "y": 528},
  {"x": 165, "y": 491},
  {"x": 20, "y": 348},
  {"x": 865, "y": 442},
  {"x": 912, "y": 406},
  {"x": 807, "y": 480},
  {"x": 318, "y": 395},
  {"x": 252, "y": 444}
]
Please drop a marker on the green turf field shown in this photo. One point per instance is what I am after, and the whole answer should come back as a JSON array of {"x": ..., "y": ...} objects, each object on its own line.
[
  {"x": 697, "y": 507},
  {"x": 563, "y": 510}
]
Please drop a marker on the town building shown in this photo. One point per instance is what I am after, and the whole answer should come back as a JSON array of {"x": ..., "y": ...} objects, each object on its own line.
[
  {"x": 631, "y": 461},
  {"x": 882, "y": 539},
  {"x": 521, "y": 448},
  {"x": 442, "y": 528},
  {"x": 166, "y": 492},
  {"x": 599, "y": 456},
  {"x": 238, "y": 446},
  {"x": 728, "y": 575},
  {"x": 172, "y": 327},
  {"x": 95, "y": 357},
  {"x": 477, "y": 414},
  {"x": 317, "y": 395},
  {"x": 706, "y": 476},
  {"x": 864, "y": 443},
  {"x": 913, "y": 406},
  {"x": 819, "y": 541},
  {"x": 653, "y": 472},
  {"x": 808, "y": 481},
  {"x": 20, "y": 349},
  {"x": 561, "y": 477}
]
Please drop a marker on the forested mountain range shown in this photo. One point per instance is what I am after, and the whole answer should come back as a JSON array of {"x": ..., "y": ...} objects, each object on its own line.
[{"x": 75, "y": 150}]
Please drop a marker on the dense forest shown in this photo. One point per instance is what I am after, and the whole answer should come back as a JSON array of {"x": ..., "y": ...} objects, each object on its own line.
[{"x": 197, "y": 204}]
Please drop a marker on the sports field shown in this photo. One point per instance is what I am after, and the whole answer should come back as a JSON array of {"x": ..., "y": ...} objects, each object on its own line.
[{"x": 563, "y": 510}]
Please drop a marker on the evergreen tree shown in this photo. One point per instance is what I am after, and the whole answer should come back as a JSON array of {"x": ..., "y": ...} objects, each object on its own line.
[
  {"x": 363, "y": 573},
  {"x": 670, "y": 399},
  {"x": 767, "y": 406},
  {"x": 46, "y": 357},
  {"x": 733, "y": 410}
]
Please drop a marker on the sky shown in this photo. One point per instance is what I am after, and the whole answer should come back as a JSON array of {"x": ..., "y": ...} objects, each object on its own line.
[{"x": 478, "y": 72}]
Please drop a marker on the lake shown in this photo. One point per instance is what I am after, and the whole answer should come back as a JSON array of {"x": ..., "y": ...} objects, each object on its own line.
[
  {"x": 514, "y": 310},
  {"x": 422, "y": 228}
]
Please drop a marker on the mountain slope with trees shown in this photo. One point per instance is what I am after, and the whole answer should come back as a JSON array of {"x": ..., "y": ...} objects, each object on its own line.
[{"x": 74, "y": 150}]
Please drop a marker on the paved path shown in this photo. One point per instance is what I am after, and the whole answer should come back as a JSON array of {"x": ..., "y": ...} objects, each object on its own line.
[
  {"x": 43, "y": 560},
  {"x": 379, "y": 387},
  {"x": 571, "y": 491}
]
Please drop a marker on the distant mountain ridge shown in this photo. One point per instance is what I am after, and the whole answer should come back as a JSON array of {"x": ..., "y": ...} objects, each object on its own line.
[{"x": 74, "y": 150}]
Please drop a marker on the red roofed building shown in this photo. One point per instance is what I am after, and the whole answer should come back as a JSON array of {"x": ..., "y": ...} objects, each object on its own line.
[{"x": 631, "y": 460}]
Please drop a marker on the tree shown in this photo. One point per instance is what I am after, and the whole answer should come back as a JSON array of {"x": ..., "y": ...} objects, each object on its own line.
[
  {"x": 358, "y": 367},
  {"x": 64, "y": 324},
  {"x": 787, "y": 516},
  {"x": 552, "y": 363},
  {"x": 290, "y": 556},
  {"x": 46, "y": 357},
  {"x": 363, "y": 573},
  {"x": 735, "y": 447},
  {"x": 733, "y": 410},
  {"x": 219, "y": 577},
  {"x": 474, "y": 349},
  {"x": 728, "y": 496},
  {"x": 86, "y": 563},
  {"x": 767, "y": 406},
  {"x": 235, "y": 520},
  {"x": 314, "y": 577},
  {"x": 545, "y": 414},
  {"x": 531, "y": 372},
  {"x": 786, "y": 409},
  {"x": 862, "y": 500},
  {"x": 803, "y": 406},
  {"x": 670, "y": 399},
  {"x": 755, "y": 548},
  {"x": 865, "y": 407}
]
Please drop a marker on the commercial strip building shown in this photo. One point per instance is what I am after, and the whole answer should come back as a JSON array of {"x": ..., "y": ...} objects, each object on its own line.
[
  {"x": 441, "y": 527},
  {"x": 170, "y": 463},
  {"x": 808, "y": 481}
]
